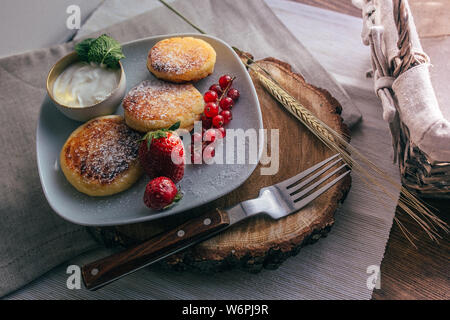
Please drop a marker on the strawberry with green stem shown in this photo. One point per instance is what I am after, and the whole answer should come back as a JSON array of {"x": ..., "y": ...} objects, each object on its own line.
[{"x": 161, "y": 153}]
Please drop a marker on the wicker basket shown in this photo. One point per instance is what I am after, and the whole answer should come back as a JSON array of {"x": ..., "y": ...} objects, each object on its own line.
[{"x": 420, "y": 173}]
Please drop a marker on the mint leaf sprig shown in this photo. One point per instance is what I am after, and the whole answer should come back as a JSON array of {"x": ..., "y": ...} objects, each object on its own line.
[{"x": 104, "y": 50}]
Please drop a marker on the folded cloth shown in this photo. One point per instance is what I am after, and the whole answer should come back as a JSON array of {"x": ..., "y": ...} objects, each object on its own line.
[
  {"x": 33, "y": 238},
  {"x": 420, "y": 112},
  {"x": 417, "y": 104}
]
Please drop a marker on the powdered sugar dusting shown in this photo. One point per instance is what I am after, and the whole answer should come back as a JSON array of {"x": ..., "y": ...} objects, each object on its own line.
[
  {"x": 159, "y": 100},
  {"x": 103, "y": 150},
  {"x": 177, "y": 56}
]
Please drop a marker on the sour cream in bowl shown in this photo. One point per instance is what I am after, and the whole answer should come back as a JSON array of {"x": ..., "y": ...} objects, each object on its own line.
[{"x": 82, "y": 90}]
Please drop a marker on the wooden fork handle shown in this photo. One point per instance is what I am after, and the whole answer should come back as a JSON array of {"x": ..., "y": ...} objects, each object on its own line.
[{"x": 106, "y": 270}]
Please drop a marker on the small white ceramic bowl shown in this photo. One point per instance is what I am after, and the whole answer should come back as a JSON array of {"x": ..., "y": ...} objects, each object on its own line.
[{"x": 103, "y": 108}]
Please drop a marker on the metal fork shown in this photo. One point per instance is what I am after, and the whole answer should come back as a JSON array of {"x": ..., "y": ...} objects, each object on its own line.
[{"x": 276, "y": 201}]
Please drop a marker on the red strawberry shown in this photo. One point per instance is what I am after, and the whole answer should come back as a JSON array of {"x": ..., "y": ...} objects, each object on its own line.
[
  {"x": 160, "y": 193},
  {"x": 161, "y": 153}
]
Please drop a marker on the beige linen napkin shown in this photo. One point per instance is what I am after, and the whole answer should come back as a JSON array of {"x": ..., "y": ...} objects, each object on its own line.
[
  {"x": 333, "y": 268},
  {"x": 33, "y": 239}
]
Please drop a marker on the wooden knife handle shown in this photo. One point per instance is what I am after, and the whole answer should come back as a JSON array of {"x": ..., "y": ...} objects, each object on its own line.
[{"x": 103, "y": 271}]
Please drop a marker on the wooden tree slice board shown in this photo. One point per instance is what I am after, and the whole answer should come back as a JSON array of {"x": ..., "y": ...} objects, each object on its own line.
[{"x": 261, "y": 242}]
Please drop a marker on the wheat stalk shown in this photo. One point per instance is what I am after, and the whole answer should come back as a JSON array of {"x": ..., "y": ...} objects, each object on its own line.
[
  {"x": 410, "y": 204},
  {"x": 335, "y": 141}
]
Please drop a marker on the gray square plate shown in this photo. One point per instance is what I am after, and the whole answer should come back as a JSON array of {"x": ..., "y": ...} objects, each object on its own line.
[{"x": 201, "y": 183}]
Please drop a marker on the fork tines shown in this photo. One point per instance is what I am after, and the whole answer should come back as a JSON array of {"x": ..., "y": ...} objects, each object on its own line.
[{"x": 300, "y": 187}]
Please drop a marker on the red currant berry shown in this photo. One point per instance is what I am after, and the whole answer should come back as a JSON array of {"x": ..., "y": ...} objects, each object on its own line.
[
  {"x": 218, "y": 121},
  {"x": 227, "y": 116},
  {"x": 211, "y": 110},
  {"x": 206, "y": 122},
  {"x": 233, "y": 94},
  {"x": 209, "y": 152},
  {"x": 210, "y": 135},
  {"x": 215, "y": 87},
  {"x": 210, "y": 96},
  {"x": 222, "y": 131},
  {"x": 226, "y": 103},
  {"x": 196, "y": 157},
  {"x": 224, "y": 81}
]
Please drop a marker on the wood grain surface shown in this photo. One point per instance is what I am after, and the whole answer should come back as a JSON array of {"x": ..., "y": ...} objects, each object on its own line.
[
  {"x": 261, "y": 242},
  {"x": 407, "y": 272}
]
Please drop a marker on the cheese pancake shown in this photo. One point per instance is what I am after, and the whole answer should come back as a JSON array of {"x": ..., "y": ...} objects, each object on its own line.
[
  {"x": 100, "y": 157},
  {"x": 181, "y": 59},
  {"x": 155, "y": 104}
]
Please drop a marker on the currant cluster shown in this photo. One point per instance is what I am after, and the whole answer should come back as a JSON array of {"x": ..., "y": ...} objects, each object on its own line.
[{"x": 219, "y": 99}]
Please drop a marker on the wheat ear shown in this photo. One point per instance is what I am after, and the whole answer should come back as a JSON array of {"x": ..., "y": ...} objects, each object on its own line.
[{"x": 335, "y": 141}]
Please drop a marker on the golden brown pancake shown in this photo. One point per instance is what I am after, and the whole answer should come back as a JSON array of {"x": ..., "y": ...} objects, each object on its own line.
[
  {"x": 155, "y": 104},
  {"x": 181, "y": 59},
  {"x": 100, "y": 157}
]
